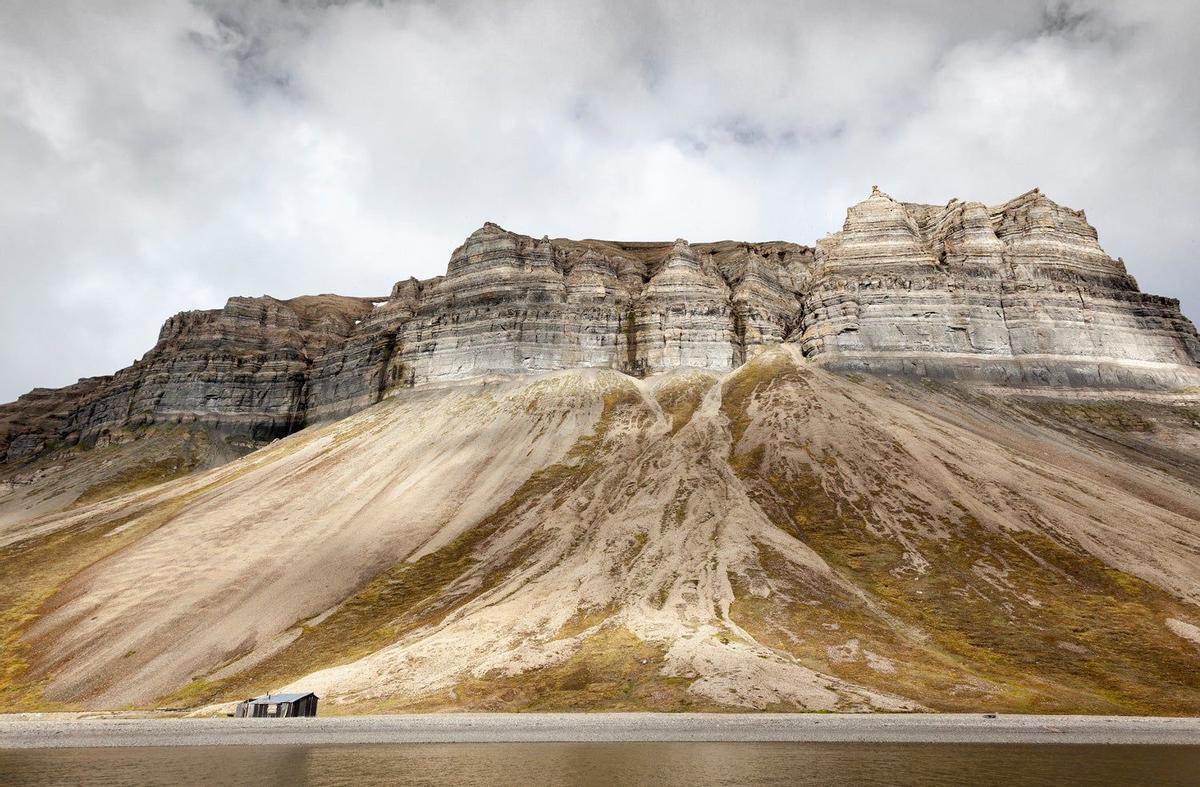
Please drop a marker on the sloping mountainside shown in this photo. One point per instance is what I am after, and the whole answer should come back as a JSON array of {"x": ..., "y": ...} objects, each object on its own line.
[
  {"x": 780, "y": 536},
  {"x": 948, "y": 458}
]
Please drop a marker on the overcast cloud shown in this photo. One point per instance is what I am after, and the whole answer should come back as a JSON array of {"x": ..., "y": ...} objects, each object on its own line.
[{"x": 162, "y": 155}]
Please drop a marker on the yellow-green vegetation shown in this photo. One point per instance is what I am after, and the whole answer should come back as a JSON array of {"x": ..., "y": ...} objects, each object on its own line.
[
  {"x": 423, "y": 592},
  {"x": 33, "y": 571},
  {"x": 1116, "y": 415},
  {"x": 612, "y": 670},
  {"x": 141, "y": 475},
  {"x": 134, "y": 460},
  {"x": 1011, "y": 620},
  {"x": 679, "y": 397},
  {"x": 190, "y": 695},
  {"x": 1132, "y": 417},
  {"x": 36, "y": 568},
  {"x": 585, "y": 619},
  {"x": 737, "y": 392},
  {"x": 831, "y": 630}
]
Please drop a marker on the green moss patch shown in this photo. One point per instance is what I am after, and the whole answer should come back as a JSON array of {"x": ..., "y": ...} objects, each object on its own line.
[{"x": 1115, "y": 415}]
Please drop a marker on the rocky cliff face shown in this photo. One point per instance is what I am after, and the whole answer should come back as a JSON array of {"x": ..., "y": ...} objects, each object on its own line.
[
  {"x": 242, "y": 369},
  {"x": 687, "y": 501},
  {"x": 511, "y": 304},
  {"x": 1015, "y": 293},
  {"x": 1019, "y": 293}
]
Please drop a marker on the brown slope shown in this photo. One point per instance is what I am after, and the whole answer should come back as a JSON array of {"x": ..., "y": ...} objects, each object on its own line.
[
  {"x": 784, "y": 538},
  {"x": 244, "y": 552},
  {"x": 1039, "y": 573}
]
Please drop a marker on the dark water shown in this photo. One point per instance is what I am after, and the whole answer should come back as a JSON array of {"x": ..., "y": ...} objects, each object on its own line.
[{"x": 611, "y": 763}]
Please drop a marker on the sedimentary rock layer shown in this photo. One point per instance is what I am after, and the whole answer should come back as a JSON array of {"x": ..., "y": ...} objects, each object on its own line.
[
  {"x": 243, "y": 369},
  {"x": 1019, "y": 293},
  {"x": 1016, "y": 293}
]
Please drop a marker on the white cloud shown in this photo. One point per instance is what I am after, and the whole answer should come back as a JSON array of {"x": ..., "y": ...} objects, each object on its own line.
[{"x": 162, "y": 155}]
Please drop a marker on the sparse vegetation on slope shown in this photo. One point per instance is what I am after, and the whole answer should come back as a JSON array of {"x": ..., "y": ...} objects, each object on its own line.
[
  {"x": 612, "y": 670},
  {"x": 191, "y": 453},
  {"x": 420, "y": 593},
  {"x": 75, "y": 476},
  {"x": 794, "y": 540},
  {"x": 36, "y": 568},
  {"x": 681, "y": 394},
  {"x": 1014, "y": 619}
]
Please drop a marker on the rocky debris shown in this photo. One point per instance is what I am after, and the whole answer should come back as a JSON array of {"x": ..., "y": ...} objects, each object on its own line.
[
  {"x": 803, "y": 540},
  {"x": 1019, "y": 293}
]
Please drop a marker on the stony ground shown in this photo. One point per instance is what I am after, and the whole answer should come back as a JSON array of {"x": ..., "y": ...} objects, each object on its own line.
[{"x": 599, "y": 727}]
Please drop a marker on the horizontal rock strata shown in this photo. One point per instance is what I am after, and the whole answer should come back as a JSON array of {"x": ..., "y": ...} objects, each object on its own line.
[
  {"x": 243, "y": 370},
  {"x": 1019, "y": 293},
  {"x": 1016, "y": 293}
]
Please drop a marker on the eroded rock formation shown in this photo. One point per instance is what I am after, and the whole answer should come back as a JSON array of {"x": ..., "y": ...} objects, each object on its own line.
[
  {"x": 1016, "y": 293},
  {"x": 1019, "y": 293},
  {"x": 243, "y": 369}
]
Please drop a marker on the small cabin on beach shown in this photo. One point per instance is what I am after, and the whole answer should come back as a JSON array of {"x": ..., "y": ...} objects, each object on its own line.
[{"x": 278, "y": 706}]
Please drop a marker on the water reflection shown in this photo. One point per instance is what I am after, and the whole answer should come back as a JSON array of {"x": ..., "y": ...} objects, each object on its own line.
[{"x": 470, "y": 764}]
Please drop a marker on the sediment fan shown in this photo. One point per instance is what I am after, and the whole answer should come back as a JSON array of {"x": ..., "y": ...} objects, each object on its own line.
[{"x": 946, "y": 459}]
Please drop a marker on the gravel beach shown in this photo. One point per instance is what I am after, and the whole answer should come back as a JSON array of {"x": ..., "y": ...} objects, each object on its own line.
[{"x": 62, "y": 731}]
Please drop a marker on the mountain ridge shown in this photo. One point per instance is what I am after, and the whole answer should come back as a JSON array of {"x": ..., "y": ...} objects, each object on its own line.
[
  {"x": 1017, "y": 294},
  {"x": 946, "y": 459}
]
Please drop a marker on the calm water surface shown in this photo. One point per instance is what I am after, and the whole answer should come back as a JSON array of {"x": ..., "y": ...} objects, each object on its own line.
[{"x": 611, "y": 763}]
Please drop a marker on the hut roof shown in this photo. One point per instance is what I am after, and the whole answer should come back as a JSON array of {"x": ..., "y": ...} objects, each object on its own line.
[{"x": 271, "y": 699}]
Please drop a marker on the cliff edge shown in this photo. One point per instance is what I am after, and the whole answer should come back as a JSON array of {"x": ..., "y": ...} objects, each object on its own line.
[{"x": 1019, "y": 294}]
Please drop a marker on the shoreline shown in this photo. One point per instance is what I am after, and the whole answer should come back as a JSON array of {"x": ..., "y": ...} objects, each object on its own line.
[{"x": 38, "y": 731}]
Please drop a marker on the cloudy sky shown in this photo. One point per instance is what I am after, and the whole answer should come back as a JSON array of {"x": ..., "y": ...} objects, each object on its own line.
[{"x": 161, "y": 155}]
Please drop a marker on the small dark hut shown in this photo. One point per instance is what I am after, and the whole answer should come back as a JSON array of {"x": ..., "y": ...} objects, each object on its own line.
[{"x": 278, "y": 706}]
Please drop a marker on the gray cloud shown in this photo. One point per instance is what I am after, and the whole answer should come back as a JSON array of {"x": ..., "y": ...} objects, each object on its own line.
[{"x": 161, "y": 155}]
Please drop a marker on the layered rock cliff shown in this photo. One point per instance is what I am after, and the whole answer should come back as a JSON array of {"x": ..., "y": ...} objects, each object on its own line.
[
  {"x": 243, "y": 370},
  {"x": 1015, "y": 293},
  {"x": 633, "y": 476},
  {"x": 510, "y": 304},
  {"x": 1019, "y": 293}
]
